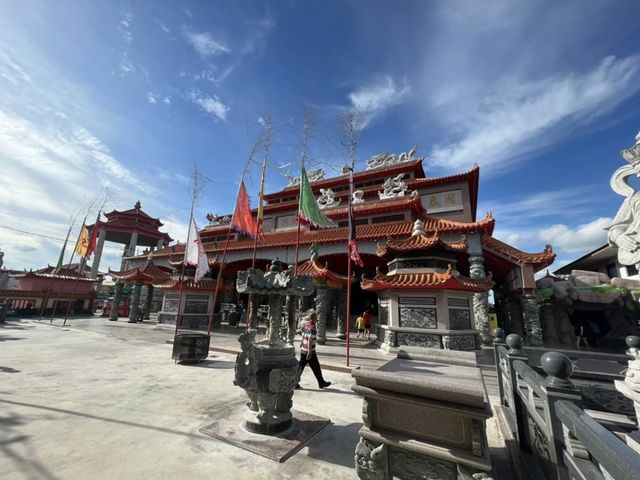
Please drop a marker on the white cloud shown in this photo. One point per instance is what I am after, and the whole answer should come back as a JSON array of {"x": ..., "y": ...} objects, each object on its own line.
[
  {"x": 205, "y": 44},
  {"x": 162, "y": 26},
  {"x": 377, "y": 97},
  {"x": 151, "y": 98},
  {"x": 522, "y": 118},
  {"x": 53, "y": 164},
  {"x": 167, "y": 100},
  {"x": 582, "y": 238},
  {"x": 124, "y": 27},
  {"x": 561, "y": 202},
  {"x": 212, "y": 105}
]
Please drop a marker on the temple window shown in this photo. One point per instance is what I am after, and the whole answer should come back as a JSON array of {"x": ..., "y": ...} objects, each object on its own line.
[
  {"x": 196, "y": 303},
  {"x": 170, "y": 303},
  {"x": 459, "y": 313},
  {"x": 286, "y": 222},
  {"x": 357, "y": 221},
  {"x": 388, "y": 218},
  {"x": 612, "y": 270}
]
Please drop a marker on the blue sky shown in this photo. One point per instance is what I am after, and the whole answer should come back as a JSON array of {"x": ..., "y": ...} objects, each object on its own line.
[{"x": 543, "y": 95}]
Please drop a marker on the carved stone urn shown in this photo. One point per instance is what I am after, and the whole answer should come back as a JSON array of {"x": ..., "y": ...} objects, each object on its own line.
[
  {"x": 630, "y": 387},
  {"x": 268, "y": 370}
]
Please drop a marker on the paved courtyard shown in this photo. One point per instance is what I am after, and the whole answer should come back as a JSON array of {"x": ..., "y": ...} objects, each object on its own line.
[{"x": 105, "y": 401}]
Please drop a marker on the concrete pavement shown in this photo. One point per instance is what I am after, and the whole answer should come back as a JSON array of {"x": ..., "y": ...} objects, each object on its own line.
[{"x": 103, "y": 400}]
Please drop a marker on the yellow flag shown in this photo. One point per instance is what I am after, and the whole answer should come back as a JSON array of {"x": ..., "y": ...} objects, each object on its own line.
[{"x": 83, "y": 242}]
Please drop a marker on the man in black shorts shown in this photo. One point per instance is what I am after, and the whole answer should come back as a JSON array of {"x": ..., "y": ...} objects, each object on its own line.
[{"x": 308, "y": 351}]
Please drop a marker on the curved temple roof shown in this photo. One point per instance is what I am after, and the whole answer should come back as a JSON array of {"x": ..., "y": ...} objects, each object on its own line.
[
  {"x": 147, "y": 273},
  {"x": 538, "y": 260},
  {"x": 422, "y": 241},
  {"x": 421, "y": 281},
  {"x": 313, "y": 269}
]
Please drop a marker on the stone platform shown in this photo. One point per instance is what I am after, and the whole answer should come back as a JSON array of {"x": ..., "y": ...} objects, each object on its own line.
[{"x": 279, "y": 447}]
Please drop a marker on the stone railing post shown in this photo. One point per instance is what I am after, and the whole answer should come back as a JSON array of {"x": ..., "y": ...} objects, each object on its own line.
[
  {"x": 498, "y": 341},
  {"x": 557, "y": 386},
  {"x": 630, "y": 387},
  {"x": 515, "y": 353}
]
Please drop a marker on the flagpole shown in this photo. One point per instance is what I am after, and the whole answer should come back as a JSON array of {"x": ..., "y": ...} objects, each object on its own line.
[
  {"x": 305, "y": 137},
  {"x": 349, "y": 268},
  {"x": 58, "y": 267},
  {"x": 249, "y": 310},
  {"x": 83, "y": 263},
  {"x": 184, "y": 261},
  {"x": 226, "y": 245},
  {"x": 64, "y": 278}
]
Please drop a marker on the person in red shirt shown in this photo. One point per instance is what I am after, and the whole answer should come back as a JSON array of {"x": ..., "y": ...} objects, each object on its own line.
[
  {"x": 308, "y": 351},
  {"x": 367, "y": 323}
]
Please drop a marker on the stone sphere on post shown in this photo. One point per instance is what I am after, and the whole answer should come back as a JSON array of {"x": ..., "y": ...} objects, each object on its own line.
[
  {"x": 514, "y": 342},
  {"x": 558, "y": 369},
  {"x": 632, "y": 341},
  {"x": 498, "y": 335}
]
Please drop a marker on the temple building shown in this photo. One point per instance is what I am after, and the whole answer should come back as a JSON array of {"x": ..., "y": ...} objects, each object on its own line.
[{"x": 455, "y": 252}]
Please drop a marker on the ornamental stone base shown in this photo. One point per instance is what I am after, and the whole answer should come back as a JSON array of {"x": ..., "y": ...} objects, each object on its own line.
[
  {"x": 390, "y": 339},
  {"x": 424, "y": 416},
  {"x": 269, "y": 374}
]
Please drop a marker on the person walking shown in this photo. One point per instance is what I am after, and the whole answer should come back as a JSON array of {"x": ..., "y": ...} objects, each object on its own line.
[
  {"x": 308, "y": 351},
  {"x": 360, "y": 326},
  {"x": 367, "y": 324}
]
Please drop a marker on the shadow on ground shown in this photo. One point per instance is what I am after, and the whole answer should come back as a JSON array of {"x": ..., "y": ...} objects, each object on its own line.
[{"x": 323, "y": 445}]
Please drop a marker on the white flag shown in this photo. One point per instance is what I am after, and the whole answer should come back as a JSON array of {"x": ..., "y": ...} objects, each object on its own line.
[{"x": 194, "y": 253}]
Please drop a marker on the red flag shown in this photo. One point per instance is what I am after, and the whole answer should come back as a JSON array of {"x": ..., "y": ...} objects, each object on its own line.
[
  {"x": 354, "y": 254},
  {"x": 93, "y": 240},
  {"x": 242, "y": 219}
]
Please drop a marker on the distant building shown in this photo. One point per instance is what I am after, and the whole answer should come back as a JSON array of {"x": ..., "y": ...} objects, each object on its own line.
[{"x": 603, "y": 259}]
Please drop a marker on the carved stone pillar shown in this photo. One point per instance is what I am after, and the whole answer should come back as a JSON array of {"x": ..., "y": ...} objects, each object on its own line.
[
  {"x": 322, "y": 310},
  {"x": 147, "y": 304},
  {"x": 254, "y": 304},
  {"x": 480, "y": 301},
  {"x": 275, "y": 312},
  {"x": 292, "y": 318},
  {"x": 531, "y": 320},
  {"x": 134, "y": 306},
  {"x": 98, "y": 253},
  {"x": 115, "y": 306},
  {"x": 342, "y": 314}
]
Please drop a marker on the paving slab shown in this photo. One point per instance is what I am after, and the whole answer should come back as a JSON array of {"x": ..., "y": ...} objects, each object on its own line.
[{"x": 76, "y": 404}]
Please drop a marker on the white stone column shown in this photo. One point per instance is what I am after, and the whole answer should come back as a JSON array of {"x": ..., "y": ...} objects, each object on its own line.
[
  {"x": 134, "y": 306},
  {"x": 321, "y": 308},
  {"x": 115, "y": 304},
  {"x": 97, "y": 256},
  {"x": 531, "y": 320},
  {"x": 160, "y": 244},
  {"x": 129, "y": 250}
]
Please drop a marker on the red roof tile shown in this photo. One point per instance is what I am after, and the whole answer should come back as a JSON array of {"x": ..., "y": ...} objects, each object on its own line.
[
  {"x": 426, "y": 281},
  {"x": 538, "y": 260}
]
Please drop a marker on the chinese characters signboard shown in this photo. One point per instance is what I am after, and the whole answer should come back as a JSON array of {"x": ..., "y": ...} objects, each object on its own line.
[{"x": 442, "y": 201}]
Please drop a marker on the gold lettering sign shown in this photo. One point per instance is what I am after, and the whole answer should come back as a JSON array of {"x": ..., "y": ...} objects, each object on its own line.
[{"x": 448, "y": 201}]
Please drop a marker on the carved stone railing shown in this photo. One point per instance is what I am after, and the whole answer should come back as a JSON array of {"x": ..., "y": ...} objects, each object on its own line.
[{"x": 545, "y": 415}]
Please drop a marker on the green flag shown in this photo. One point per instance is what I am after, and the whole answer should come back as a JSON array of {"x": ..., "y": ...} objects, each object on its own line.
[
  {"x": 308, "y": 210},
  {"x": 61, "y": 258}
]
